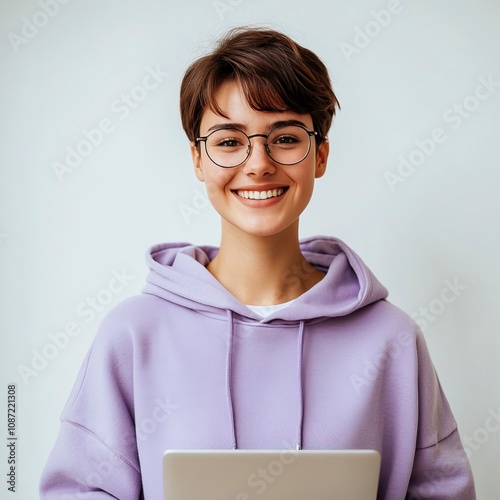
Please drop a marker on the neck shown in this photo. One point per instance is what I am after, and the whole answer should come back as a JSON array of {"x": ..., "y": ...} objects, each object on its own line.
[{"x": 263, "y": 270}]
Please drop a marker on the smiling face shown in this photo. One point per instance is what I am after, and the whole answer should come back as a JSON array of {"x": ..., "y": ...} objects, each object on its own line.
[{"x": 259, "y": 197}]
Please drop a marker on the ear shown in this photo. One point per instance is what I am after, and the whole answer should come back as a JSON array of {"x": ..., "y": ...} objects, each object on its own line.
[
  {"x": 196, "y": 156},
  {"x": 322, "y": 158}
]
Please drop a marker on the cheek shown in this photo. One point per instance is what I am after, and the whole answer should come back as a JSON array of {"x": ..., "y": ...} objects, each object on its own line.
[
  {"x": 216, "y": 180},
  {"x": 305, "y": 179},
  {"x": 305, "y": 186},
  {"x": 308, "y": 191}
]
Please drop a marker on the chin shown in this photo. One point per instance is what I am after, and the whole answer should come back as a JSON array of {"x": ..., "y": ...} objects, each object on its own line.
[{"x": 263, "y": 229}]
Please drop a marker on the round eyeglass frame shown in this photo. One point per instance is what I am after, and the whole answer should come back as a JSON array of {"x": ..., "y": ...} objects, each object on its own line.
[{"x": 249, "y": 150}]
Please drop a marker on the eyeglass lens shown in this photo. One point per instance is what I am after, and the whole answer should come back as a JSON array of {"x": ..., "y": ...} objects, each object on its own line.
[{"x": 231, "y": 147}]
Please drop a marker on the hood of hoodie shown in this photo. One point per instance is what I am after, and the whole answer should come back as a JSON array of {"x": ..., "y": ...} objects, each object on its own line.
[{"x": 178, "y": 273}]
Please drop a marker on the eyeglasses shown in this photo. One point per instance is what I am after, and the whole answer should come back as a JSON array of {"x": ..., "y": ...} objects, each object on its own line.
[{"x": 231, "y": 147}]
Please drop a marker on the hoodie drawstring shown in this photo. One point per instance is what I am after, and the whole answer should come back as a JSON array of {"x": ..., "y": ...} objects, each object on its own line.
[
  {"x": 229, "y": 366},
  {"x": 300, "y": 355},
  {"x": 229, "y": 356}
]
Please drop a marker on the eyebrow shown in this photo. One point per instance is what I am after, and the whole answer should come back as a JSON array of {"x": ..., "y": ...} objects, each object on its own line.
[{"x": 243, "y": 127}]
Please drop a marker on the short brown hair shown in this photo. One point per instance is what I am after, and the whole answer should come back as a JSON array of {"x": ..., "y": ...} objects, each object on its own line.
[{"x": 274, "y": 72}]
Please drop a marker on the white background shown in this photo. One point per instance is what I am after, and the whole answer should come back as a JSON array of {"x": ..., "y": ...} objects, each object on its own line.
[{"x": 61, "y": 240}]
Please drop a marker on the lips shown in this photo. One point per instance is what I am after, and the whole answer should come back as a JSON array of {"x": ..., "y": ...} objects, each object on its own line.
[{"x": 261, "y": 193}]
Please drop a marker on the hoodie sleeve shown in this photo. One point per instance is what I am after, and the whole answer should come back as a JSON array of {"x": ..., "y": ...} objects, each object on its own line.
[
  {"x": 441, "y": 470},
  {"x": 95, "y": 454}
]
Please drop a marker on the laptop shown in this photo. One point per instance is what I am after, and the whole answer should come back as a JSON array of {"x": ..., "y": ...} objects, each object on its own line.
[{"x": 271, "y": 474}]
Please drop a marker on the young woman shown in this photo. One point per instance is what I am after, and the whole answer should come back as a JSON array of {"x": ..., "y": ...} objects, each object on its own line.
[{"x": 266, "y": 342}]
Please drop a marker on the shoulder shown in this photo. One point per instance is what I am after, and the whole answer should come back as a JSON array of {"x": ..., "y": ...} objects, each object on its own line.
[
  {"x": 387, "y": 320},
  {"x": 131, "y": 318},
  {"x": 395, "y": 315},
  {"x": 399, "y": 327},
  {"x": 117, "y": 341},
  {"x": 132, "y": 310}
]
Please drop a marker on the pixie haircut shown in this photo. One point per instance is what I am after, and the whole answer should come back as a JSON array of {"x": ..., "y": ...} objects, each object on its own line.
[{"x": 275, "y": 73}]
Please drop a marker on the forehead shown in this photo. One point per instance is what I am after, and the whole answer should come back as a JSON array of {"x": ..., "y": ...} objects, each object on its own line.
[{"x": 232, "y": 101}]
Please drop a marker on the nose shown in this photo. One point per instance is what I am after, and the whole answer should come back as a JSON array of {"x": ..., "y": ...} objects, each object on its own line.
[{"x": 259, "y": 162}]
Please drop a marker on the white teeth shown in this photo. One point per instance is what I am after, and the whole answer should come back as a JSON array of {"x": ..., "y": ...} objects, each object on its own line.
[{"x": 261, "y": 195}]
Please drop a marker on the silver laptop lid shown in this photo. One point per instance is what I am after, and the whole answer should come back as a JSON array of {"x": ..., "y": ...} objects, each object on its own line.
[{"x": 271, "y": 474}]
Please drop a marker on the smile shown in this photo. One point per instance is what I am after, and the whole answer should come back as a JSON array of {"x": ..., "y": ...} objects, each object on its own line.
[{"x": 261, "y": 195}]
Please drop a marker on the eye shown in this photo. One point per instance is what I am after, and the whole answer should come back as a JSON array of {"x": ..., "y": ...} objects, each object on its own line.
[
  {"x": 288, "y": 137},
  {"x": 286, "y": 140},
  {"x": 227, "y": 139},
  {"x": 228, "y": 143}
]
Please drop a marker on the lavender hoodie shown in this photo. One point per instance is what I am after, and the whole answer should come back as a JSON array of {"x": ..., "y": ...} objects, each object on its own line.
[{"x": 186, "y": 365}]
